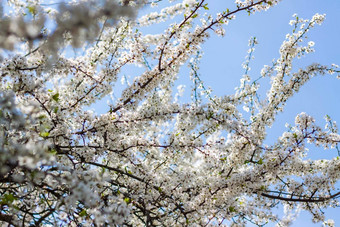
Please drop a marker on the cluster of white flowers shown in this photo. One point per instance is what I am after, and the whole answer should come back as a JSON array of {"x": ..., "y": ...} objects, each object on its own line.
[
  {"x": 153, "y": 157},
  {"x": 79, "y": 22}
]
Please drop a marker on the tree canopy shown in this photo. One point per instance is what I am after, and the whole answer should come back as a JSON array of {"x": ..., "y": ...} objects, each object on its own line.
[{"x": 153, "y": 158}]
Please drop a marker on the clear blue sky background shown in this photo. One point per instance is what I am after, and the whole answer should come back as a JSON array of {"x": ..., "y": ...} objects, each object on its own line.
[{"x": 221, "y": 65}]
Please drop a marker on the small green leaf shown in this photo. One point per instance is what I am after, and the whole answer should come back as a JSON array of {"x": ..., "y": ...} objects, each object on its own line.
[
  {"x": 260, "y": 162},
  {"x": 55, "y": 97},
  {"x": 232, "y": 209},
  {"x": 44, "y": 134},
  {"x": 41, "y": 117},
  {"x": 32, "y": 10},
  {"x": 8, "y": 199},
  {"x": 206, "y": 6},
  {"x": 127, "y": 200},
  {"x": 33, "y": 174},
  {"x": 83, "y": 213},
  {"x": 195, "y": 15},
  {"x": 53, "y": 151},
  {"x": 210, "y": 116}
]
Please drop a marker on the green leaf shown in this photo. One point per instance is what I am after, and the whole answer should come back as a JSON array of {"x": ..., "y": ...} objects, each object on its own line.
[
  {"x": 260, "y": 162},
  {"x": 32, "y": 10},
  {"x": 127, "y": 200},
  {"x": 44, "y": 134},
  {"x": 8, "y": 199},
  {"x": 210, "y": 116},
  {"x": 42, "y": 117},
  {"x": 33, "y": 174},
  {"x": 55, "y": 97},
  {"x": 206, "y": 6},
  {"x": 195, "y": 15},
  {"x": 53, "y": 151},
  {"x": 83, "y": 213},
  {"x": 232, "y": 209}
]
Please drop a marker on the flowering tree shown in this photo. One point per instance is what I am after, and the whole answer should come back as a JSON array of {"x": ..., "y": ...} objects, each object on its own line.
[{"x": 150, "y": 159}]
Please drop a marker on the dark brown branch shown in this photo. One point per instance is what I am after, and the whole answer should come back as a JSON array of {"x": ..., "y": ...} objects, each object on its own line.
[{"x": 301, "y": 199}]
